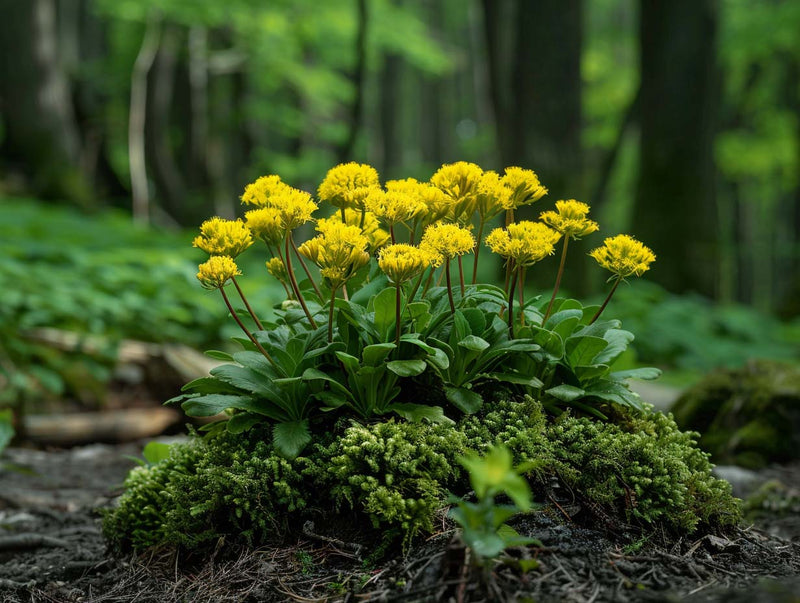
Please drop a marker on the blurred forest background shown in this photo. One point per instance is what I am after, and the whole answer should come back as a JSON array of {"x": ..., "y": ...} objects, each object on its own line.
[{"x": 677, "y": 121}]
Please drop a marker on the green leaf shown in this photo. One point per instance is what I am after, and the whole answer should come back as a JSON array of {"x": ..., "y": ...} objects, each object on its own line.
[
  {"x": 645, "y": 373},
  {"x": 217, "y": 355},
  {"x": 384, "y": 308},
  {"x": 587, "y": 373},
  {"x": 566, "y": 393},
  {"x": 242, "y": 421},
  {"x": 212, "y": 404},
  {"x": 415, "y": 413},
  {"x": 438, "y": 360},
  {"x": 476, "y": 319},
  {"x": 465, "y": 400},
  {"x": 618, "y": 341},
  {"x": 155, "y": 452},
  {"x": 572, "y": 315},
  {"x": 373, "y": 355},
  {"x": 351, "y": 363},
  {"x": 210, "y": 385},
  {"x": 420, "y": 314},
  {"x": 581, "y": 351},
  {"x": 291, "y": 437},
  {"x": 461, "y": 327},
  {"x": 244, "y": 378},
  {"x": 516, "y": 378},
  {"x": 473, "y": 343},
  {"x": 407, "y": 368},
  {"x": 313, "y": 374}
]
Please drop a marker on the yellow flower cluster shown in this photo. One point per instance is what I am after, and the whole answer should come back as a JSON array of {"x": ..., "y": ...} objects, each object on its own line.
[
  {"x": 266, "y": 224},
  {"x": 402, "y": 262},
  {"x": 394, "y": 206},
  {"x": 348, "y": 185},
  {"x": 624, "y": 256},
  {"x": 214, "y": 273},
  {"x": 277, "y": 268},
  {"x": 295, "y": 207},
  {"x": 446, "y": 241},
  {"x": 460, "y": 182},
  {"x": 339, "y": 251},
  {"x": 493, "y": 196},
  {"x": 524, "y": 186},
  {"x": 371, "y": 227},
  {"x": 570, "y": 219},
  {"x": 525, "y": 242},
  {"x": 261, "y": 191},
  {"x": 223, "y": 237}
]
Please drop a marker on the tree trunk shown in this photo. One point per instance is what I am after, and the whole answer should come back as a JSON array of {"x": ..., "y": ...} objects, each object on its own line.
[
  {"x": 675, "y": 211},
  {"x": 41, "y": 134},
  {"x": 391, "y": 132},
  {"x": 345, "y": 152}
]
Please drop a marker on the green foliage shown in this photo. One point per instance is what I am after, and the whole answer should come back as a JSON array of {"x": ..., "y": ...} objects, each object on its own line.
[
  {"x": 690, "y": 332},
  {"x": 6, "y": 428},
  {"x": 644, "y": 469},
  {"x": 395, "y": 472},
  {"x": 748, "y": 416},
  {"x": 483, "y": 526}
]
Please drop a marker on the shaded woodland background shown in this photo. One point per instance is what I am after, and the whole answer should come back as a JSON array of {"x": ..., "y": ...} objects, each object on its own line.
[{"x": 678, "y": 121}]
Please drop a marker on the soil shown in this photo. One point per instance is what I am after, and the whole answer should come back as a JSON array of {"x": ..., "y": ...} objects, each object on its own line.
[{"x": 51, "y": 549}]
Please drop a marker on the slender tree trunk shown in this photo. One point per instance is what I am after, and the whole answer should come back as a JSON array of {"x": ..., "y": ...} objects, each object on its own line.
[
  {"x": 41, "y": 134},
  {"x": 675, "y": 211},
  {"x": 137, "y": 119},
  {"x": 391, "y": 131}
]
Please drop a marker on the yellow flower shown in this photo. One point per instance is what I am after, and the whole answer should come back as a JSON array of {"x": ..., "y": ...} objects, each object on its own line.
[
  {"x": 402, "y": 262},
  {"x": 394, "y": 206},
  {"x": 460, "y": 182},
  {"x": 570, "y": 219},
  {"x": 371, "y": 228},
  {"x": 295, "y": 207},
  {"x": 447, "y": 241},
  {"x": 276, "y": 268},
  {"x": 214, "y": 273},
  {"x": 348, "y": 185},
  {"x": 259, "y": 193},
  {"x": 525, "y": 242},
  {"x": 265, "y": 224},
  {"x": 493, "y": 197},
  {"x": 524, "y": 186},
  {"x": 339, "y": 252},
  {"x": 624, "y": 256},
  {"x": 223, "y": 237}
]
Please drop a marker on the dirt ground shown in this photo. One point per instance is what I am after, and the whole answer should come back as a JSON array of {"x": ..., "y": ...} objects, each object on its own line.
[{"x": 51, "y": 549}]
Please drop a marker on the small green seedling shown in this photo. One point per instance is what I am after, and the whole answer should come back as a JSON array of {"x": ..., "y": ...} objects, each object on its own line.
[{"x": 482, "y": 523}]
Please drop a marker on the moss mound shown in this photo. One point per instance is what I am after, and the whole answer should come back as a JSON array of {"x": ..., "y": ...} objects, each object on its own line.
[
  {"x": 397, "y": 475},
  {"x": 748, "y": 416}
]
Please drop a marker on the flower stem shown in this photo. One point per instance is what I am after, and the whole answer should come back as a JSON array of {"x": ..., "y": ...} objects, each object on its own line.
[
  {"x": 514, "y": 279},
  {"x": 305, "y": 268},
  {"x": 397, "y": 316},
  {"x": 344, "y": 218},
  {"x": 521, "y": 278},
  {"x": 416, "y": 286},
  {"x": 247, "y": 305},
  {"x": 244, "y": 328},
  {"x": 290, "y": 292},
  {"x": 477, "y": 251},
  {"x": 449, "y": 286},
  {"x": 363, "y": 216},
  {"x": 391, "y": 233},
  {"x": 330, "y": 316},
  {"x": 428, "y": 282},
  {"x": 293, "y": 281},
  {"x": 558, "y": 279},
  {"x": 461, "y": 276},
  {"x": 608, "y": 299}
]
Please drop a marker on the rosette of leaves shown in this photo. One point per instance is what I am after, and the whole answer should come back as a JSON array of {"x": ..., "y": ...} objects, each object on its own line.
[
  {"x": 250, "y": 389},
  {"x": 577, "y": 359},
  {"x": 366, "y": 373}
]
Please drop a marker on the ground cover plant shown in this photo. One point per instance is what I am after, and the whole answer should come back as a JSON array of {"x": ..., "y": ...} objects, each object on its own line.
[{"x": 388, "y": 367}]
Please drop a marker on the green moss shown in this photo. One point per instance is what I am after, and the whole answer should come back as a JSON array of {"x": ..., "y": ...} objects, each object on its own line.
[
  {"x": 396, "y": 475},
  {"x": 643, "y": 469},
  {"x": 748, "y": 416},
  {"x": 395, "y": 472}
]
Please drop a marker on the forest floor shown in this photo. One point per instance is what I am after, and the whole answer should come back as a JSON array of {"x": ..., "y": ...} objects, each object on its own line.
[{"x": 51, "y": 549}]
